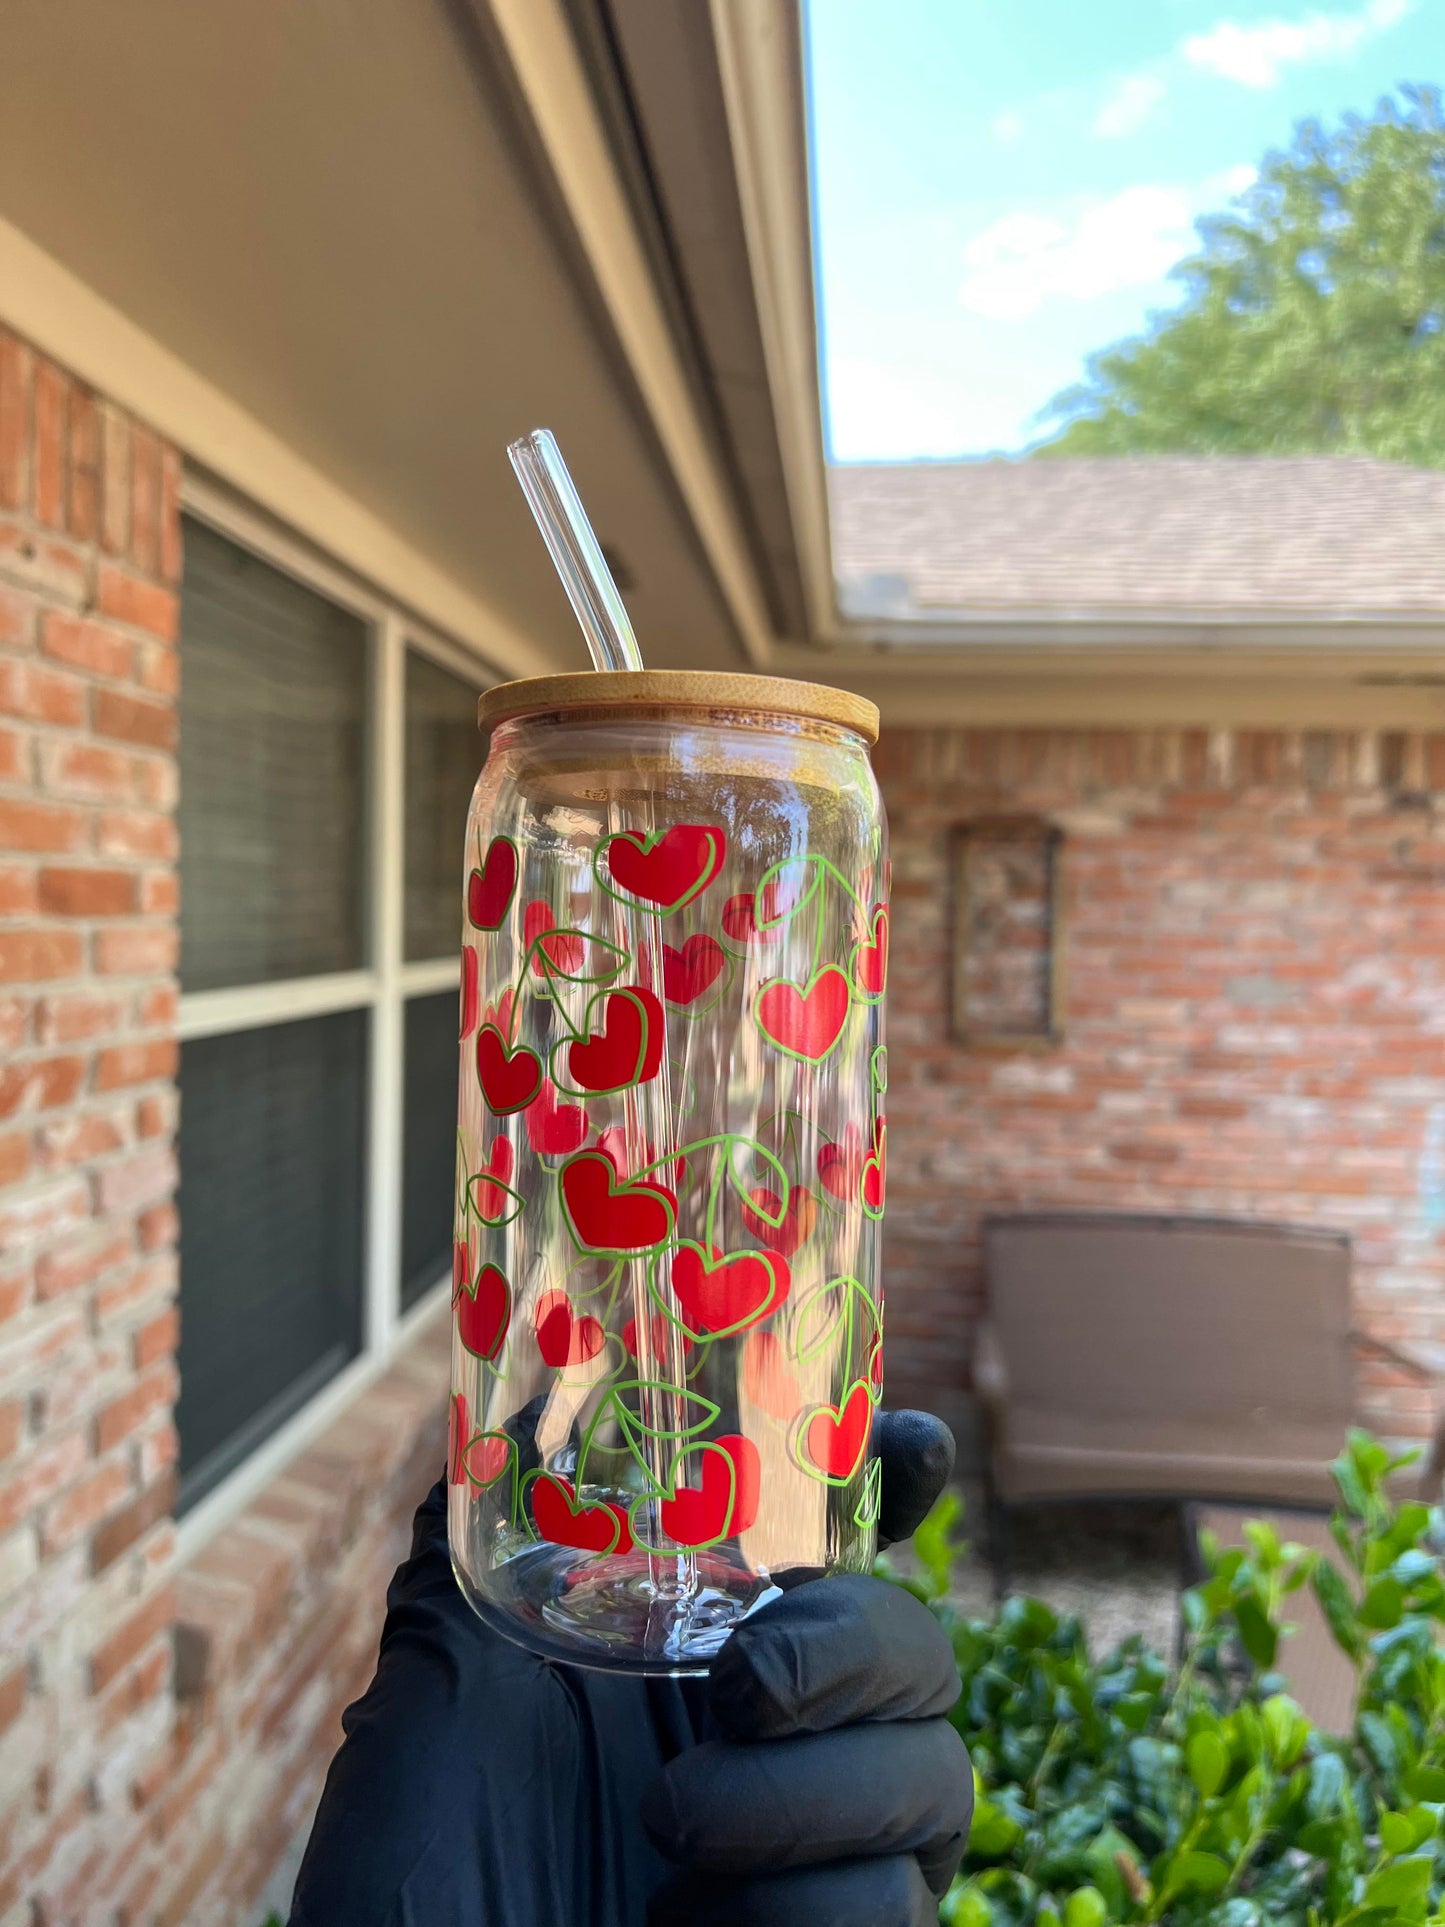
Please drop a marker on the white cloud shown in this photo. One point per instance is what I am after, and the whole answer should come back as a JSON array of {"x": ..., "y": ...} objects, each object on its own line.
[
  {"x": 1126, "y": 109},
  {"x": 1256, "y": 55},
  {"x": 1127, "y": 241},
  {"x": 1008, "y": 127},
  {"x": 886, "y": 413}
]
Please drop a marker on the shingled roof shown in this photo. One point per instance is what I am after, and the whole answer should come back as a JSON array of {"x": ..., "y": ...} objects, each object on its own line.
[{"x": 1325, "y": 536}]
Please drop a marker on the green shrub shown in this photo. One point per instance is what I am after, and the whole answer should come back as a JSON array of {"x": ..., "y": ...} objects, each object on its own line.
[{"x": 1125, "y": 1790}]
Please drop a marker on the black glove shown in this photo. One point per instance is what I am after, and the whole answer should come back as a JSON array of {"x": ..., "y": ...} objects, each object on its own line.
[{"x": 480, "y": 1786}]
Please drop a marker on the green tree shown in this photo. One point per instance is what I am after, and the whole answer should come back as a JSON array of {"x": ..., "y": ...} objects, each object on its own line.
[{"x": 1313, "y": 319}]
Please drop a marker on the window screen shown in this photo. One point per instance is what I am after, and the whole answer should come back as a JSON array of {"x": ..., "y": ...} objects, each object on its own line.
[
  {"x": 272, "y": 755},
  {"x": 271, "y": 1150},
  {"x": 443, "y": 756},
  {"x": 429, "y": 1142}
]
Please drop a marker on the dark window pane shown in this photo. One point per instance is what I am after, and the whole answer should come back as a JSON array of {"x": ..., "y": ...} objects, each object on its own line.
[
  {"x": 429, "y": 1143},
  {"x": 272, "y": 751},
  {"x": 272, "y": 1145},
  {"x": 443, "y": 756}
]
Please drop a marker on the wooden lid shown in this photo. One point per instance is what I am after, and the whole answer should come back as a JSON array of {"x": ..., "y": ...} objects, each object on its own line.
[{"x": 680, "y": 689}]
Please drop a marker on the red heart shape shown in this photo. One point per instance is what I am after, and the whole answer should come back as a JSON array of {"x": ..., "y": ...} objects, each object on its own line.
[
  {"x": 657, "y": 1329},
  {"x": 740, "y": 915},
  {"x": 614, "y": 1142},
  {"x": 489, "y": 890},
  {"x": 564, "y": 1337},
  {"x": 562, "y": 950},
  {"x": 725, "y": 1504},
  {"x": 608, "y": 1214},
  {"x": 560, "y": 1517},
  {"x": 875, "y": 1171},
  {"x": 491, "y": 1199},
  {"x": 499, "y": 1016},
  {"x": 805, "y": 1020},
  {"x": 766, "y": 1378},
  {"x": 795, "y": 1225},
  {"x": 836, "y": 1441},
  {"x": 695, "y": 968},
  {"x": 457, "y": 1422},
  {"x": 870, "y": 959},
  {"x": 840, "y": 1165},
  {"x": 667, "y": 870},
  {"x": 727, "y": 1294},
  {"x": 486, "y": 1458},
  {"x": 628, "y": 1048},
  {"x": 484, "y": 1310},
  {"x": 554, "y": 1129},
  {"x": 471, "y": 990},
  {"x": 510, "y": 1079}
]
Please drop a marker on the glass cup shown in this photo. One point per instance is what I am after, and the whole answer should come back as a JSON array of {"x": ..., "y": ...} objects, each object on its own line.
[{"x": 671, "y": 1155}]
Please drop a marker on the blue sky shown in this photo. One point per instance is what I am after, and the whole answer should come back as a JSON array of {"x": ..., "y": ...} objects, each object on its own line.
[{"x": 1000, "y": 186}]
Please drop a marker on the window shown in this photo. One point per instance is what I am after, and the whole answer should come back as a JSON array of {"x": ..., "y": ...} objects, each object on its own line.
[
  {"x": 327, "y": 757},
  {"x": 1008, "y": 954}
]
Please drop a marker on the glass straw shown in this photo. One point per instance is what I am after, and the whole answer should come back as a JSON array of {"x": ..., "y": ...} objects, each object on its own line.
[{"x": 647, "y": 1111}]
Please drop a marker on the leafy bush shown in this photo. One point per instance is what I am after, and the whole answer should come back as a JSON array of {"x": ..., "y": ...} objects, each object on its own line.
[{"x": 1125, "y": 1790}]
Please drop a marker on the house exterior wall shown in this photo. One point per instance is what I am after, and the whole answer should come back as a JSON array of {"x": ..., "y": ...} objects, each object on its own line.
[
  {"x": 163, "y": 1726},
  {"x": 1253, "y": 1015}
]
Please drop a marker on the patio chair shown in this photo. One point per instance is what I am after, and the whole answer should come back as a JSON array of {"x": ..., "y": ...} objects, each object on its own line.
[{"x": 1169, "y": 1357}]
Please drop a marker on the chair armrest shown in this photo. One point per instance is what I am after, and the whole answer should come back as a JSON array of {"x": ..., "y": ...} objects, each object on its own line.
[{"x": 1428, "y": 1362}]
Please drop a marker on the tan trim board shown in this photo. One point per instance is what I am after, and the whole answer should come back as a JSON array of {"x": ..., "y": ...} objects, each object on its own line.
[
  {"x": 759, "y": 51},
  {"x": 554, "y": 87},
  {"x": 67, "y": 319}
]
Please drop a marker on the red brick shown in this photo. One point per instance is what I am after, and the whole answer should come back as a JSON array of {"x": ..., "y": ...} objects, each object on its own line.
[
  {"x": 158, "y": 1227},
  {"x": 157, "y": 1115},
  {"x": 70, "y": 892},
  {"x": 12, "y": 1426},
  {"x": 40, "y": 1084},
  {"x": 160, "y": 893},
  {"x": 36, "y": 1478},
  {"x": 159, "y": 669},
  {"x": 118, "y": 1297},
  {"x": 145, "y": 532},
  {"x": 17, "y": 367},
  {"x": 91, "y": 646},
  {"x": 16, "y": 1285},
  {"x": 157, "y": 1007},
  {"x": 141, "y": 950},
  {"x": 140, "y": 1180},
  {"x": 133, "y": 719},
  {"x": 83, "y": 507},
  {"x": 136, "y": 833},
  {"x": 71, "y": 1266},
  {"x": 17, "y": 619},
  {"x": 14, "y": 1023},
  {"x": 84, "y": 1504},
  {"x": 157, "y": 1338},
  {"x": 139, "y": 1063},
  {"x": 153, "y": 1391},
  {"x": 47, "y": 564},
  {"x": 19, "y": 892},
  {"x": 77, "y": 1139},
  {"x": 76, "y": 1016},
  {"x": 115, "y": 480},
  {"x": 12, "y": 1696},
  {"x": 142, "y": 605},
  {"x": 148, "y": 1679},
  {"x": 31, "y": 956},
  {"x": 41, "y": 695},
  {"x": 91, "y": 771},
  {"x": 171, "y": 515},
  {"x": 132, "y": 1637},
  {"x": 14, "y": 756},
  {"x": 42, "y": 829},
  {"x": 15, "y": 1157},
  {"x": 51, "y": 410},
  {"x": 40, "y": 1212}
]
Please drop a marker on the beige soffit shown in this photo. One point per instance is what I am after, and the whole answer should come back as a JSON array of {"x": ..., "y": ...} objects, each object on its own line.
[
  {"x": 65, "y": 318},
  {"x": 760, "y": 56},
  {"x": 553, "y": 84}
]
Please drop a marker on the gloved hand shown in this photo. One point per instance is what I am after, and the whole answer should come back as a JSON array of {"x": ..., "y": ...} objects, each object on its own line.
[
  {"x": 480, "y": 1786},
  {"x": 839, "y": 1794}
]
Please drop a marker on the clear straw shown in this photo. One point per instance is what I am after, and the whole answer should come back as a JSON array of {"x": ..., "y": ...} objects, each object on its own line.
[
  {"x": 575, "y": 550},
  {"x": 648, "y": 1117}
]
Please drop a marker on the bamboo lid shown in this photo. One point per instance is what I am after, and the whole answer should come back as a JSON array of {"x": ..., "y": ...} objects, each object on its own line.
[{"x": 678, "y": 689}]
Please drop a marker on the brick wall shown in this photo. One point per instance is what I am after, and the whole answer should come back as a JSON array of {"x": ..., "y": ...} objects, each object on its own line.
[
  {"x": 1254, "y": 1014},
  {"x": 163, "y": 1729}
]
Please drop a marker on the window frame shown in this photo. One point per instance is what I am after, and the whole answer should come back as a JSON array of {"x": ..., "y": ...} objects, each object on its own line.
[{"x": 381, "y": 988}]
